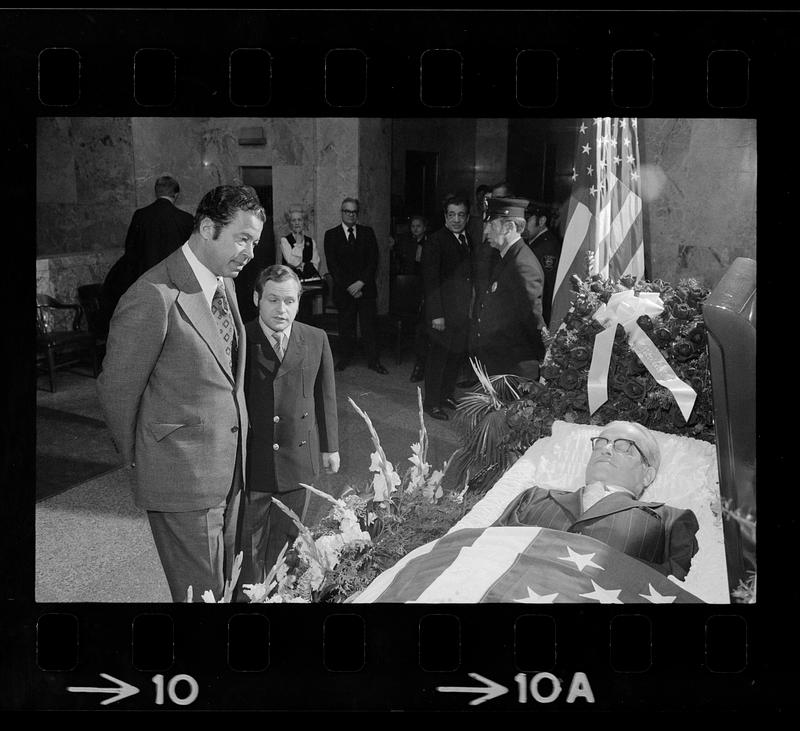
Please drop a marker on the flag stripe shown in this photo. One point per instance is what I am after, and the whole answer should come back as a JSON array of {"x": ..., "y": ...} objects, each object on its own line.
[
  {"x": 522, "y": 564},
  {"x": 608, "y": 191},
  {"x": 473, "y": 571}
]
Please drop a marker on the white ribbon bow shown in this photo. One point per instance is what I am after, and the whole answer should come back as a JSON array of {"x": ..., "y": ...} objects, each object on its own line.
[{"x": 624, "y": 308}]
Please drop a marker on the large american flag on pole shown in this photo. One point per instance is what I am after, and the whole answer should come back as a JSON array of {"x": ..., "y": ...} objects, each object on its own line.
[
  {"x": 521, "y": 564},
  {"x": 605, "y": 208}
]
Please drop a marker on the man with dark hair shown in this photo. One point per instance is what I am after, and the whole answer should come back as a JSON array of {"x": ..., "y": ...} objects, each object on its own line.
[
  {"x": 291, "y": 400},
  {"x": 624, "y": 462},
  {"x": 447, "y": 277},
  {"x": 509, "y": 322},
  {"x": 158, "y": 229},
  {"x": 351, "y": 253},
  {"x": 547, "y": 247},
  {"x": 172, "y": 391}
]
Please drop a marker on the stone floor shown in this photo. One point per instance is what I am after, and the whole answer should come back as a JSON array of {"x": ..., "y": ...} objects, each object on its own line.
[{"x": 94, "y": 545}]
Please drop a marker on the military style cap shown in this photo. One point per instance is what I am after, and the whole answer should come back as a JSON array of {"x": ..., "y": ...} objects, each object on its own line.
[{"x": 510, "y": 207}]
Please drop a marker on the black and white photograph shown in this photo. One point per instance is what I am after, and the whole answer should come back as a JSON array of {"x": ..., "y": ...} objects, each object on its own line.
[{"x": 361, "y": 359}]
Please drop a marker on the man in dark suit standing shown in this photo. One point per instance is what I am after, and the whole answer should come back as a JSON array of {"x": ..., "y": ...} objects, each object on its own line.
[
  {"x": 510, "y": 316},
  {"x": 547, "y": 247},
  {"x": 624, "y": 461},
  {"x": 291, "y": 399},
  {"x": 157, "y": 230},
  {"x": 447, "y": 277},
  {"x": 172, "y": 391},
  {"x": 351, "y": 253}
]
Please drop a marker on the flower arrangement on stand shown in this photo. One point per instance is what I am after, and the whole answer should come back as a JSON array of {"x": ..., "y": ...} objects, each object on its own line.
[
  {"x": 678, "y": 333},
  {"x": 504, "y": 415},
  {"x": 364, "y": 533}
]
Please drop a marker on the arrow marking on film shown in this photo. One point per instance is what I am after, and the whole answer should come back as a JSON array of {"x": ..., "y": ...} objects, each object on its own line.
[
  {"x": 123, "y": 689},
  {"x": 490, "y": 689}
]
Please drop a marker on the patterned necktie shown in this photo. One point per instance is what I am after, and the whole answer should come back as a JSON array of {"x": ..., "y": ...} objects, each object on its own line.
[
  {"x": 278, "y": 338},
  {"x": 222, "y": 314},
  {"x": 351, "y": 237},
  {"x": 463, "y": 240}
]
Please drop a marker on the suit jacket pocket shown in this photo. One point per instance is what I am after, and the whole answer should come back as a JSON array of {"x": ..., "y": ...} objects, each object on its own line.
[{"x": 159, "y": 431}]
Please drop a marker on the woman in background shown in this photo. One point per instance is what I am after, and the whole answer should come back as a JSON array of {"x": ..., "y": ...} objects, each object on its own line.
[{"x": 298, "y": 250}]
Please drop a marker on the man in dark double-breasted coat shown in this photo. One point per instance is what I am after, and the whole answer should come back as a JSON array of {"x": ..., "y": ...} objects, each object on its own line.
[{"x": 291, "y": 395}]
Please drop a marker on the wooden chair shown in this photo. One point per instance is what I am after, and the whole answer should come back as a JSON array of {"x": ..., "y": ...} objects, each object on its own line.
[
  {"x": 405, "y": 300},
  {"x": 59, "y": 343}
]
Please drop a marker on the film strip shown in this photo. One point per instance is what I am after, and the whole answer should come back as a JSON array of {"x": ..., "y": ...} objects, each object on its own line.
[{"x": 352, "y": 64}]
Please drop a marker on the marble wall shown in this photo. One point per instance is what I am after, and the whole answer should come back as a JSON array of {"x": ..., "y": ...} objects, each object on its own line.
[
  {"x": 698, "y": 181},
  {"x": 699, "y": 185},
  {"x": 84, "y": 195},
  {"x": 375, "y": 174},
  {"x": 94, "y": 172},
  {"x": 336, "y": 149}
]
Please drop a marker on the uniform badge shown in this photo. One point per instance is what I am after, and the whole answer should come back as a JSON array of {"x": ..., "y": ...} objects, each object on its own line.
[
  {"x": 549, "y": 261},
  {"x": 493, "y": 287}
]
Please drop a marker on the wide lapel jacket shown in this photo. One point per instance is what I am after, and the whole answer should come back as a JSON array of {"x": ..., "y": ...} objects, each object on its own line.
[{"x": 194, "y": 304}]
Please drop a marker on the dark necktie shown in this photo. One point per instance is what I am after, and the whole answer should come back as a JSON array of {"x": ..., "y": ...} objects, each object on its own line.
[
  {"x": 222, "y": 314},
  {"x": 463, "y": 240},
  {"x": 351, "y": 238}
]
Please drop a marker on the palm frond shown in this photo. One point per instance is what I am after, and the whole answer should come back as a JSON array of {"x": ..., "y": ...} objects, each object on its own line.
[{"x": 485, "y": 381}]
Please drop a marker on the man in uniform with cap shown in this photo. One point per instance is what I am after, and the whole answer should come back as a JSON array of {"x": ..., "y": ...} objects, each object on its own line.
[
  {"x": 547, "y": 247},
  {"x": 510, "y": 317}
]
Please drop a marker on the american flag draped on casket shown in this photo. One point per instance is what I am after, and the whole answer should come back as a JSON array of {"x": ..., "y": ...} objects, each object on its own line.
[{"x": 521, "y": 564}]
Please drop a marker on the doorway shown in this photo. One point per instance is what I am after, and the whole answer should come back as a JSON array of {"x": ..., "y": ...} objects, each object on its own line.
[
  {"x": 259, "y": 178},
  {"x": 422, "y": 170}
]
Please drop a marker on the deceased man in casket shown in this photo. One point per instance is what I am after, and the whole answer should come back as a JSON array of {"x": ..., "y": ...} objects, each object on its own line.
[
  {"x": 624, "y": 461},
  {"x": 598, "y": 542}
]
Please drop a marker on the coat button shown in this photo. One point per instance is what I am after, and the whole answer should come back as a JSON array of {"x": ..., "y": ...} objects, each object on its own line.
[
  {"x": 234, "y": 429},
  {"x": 276, "y": 419},
  {"x": 304, "y": 415},
  {"x": 302, "y": 444},
  {"x": 276, "y": 447}
]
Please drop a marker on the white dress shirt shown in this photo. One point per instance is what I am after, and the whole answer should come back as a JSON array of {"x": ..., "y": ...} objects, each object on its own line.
[{"x": 207, "y": 279}]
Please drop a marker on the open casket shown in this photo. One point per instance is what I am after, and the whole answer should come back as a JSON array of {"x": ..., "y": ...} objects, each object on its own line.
[{"x": 476, "y": 562}]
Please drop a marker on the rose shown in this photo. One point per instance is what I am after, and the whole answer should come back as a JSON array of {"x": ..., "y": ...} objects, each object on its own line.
[
  {"x": 628, "y": 280},
  {"x": 645, "y": 322},
  {"x": 618, "y": 380},
  {"x": 635, "y": 367},
  {"x": 579, "y": 400},
  {"x": 677, "y": 417},
  {"x": 596, "y": 287},
  {"x": 682, "y": 311},
  {"x": 580, "y": 355},
  {"x": 550, "y": 372},
  {"x": 570, "y": 379},
  {"x": 696, "y": 294},
  {"x": 683, "y": 350},
  {"x": 698, "y": 334},
  {"x": 663, "y": 335},
  {"x": 635, "y": 388}
]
